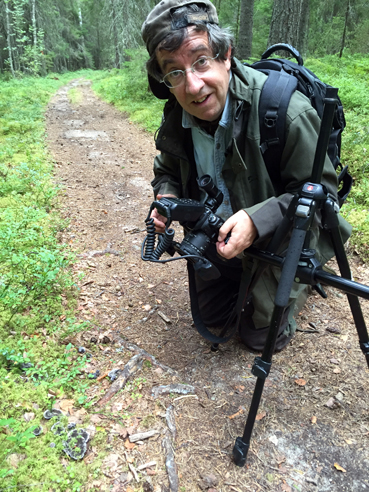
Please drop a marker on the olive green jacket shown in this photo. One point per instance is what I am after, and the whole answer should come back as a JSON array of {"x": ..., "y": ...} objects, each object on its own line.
[{"x": 244, "y": 171}]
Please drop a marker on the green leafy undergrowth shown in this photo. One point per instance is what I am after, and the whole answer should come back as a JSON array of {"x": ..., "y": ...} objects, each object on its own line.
[
  {"x": 37, "y": 296},
  {"x": 351, "y": 75},
  {"x": 128, "y": 90},
  {"x": 33, "y": 461}
]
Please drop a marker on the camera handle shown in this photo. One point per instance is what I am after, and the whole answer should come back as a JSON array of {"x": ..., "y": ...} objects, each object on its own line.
[{"x": 299, "y": 265}]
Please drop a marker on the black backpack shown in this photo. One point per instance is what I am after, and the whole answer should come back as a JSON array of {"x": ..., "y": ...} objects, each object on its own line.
[{"x": 284, "y": 77}]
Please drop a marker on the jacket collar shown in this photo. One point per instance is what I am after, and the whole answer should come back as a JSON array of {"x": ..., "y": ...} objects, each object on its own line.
[{"x": 239, "y": 86}]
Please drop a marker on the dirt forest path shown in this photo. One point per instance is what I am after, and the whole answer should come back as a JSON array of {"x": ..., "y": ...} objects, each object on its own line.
[{"x": 312, "y": 430}]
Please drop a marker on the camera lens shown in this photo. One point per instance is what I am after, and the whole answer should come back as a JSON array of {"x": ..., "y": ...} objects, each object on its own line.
[{"x": 195, "y": 243}]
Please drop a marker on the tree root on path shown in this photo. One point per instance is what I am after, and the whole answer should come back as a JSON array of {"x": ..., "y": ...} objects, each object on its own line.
[
  {"x": 135, "y": 348},
  {"x": 132, "y": 366}
]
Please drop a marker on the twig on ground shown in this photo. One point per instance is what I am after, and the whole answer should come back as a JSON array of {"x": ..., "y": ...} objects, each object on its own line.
[
  {"x": 146, "y": 465},
  {"x": 181, "y": 389},
  {"x": 170, "y": 464},
  {"x": 132, "y": 366},
  {"x": 171, "y": 423},
  {"x": 143, "y": 435},
  {"x": 105, "y": 251},
  {"x": 133, "y": 470},
  {"x": 145, "y": 355}
]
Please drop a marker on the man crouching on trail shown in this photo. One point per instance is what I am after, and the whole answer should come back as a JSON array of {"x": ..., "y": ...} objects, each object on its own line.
[{"x": 211, "y": 126}]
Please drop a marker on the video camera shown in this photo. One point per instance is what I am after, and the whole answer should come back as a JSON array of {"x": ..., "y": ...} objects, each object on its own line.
[{"x": 200, "y": 223}]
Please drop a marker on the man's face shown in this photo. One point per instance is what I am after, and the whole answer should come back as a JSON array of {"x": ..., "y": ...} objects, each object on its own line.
[{"x": 204, "y": 95}]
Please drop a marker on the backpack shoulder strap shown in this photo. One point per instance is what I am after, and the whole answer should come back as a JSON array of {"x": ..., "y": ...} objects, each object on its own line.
[{"x": 274, "y": 100}]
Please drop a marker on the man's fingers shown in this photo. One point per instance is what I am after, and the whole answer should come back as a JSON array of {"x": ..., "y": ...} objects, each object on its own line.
[
  {"x": 225, "y": 229},
  {"x": 243, "y": 233}
]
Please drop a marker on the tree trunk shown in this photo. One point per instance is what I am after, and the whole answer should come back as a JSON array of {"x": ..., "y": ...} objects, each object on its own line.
[
  {"x": 115, "y": 35},
  {"x": 344, "y": 29},
  {"x": 289, "y": 24},
  {"x": 8, "y": 38},
  {"x": 34, "y": 28},
  {"x": 87, "y": 64},
  {"x": 244, "y": 45}
]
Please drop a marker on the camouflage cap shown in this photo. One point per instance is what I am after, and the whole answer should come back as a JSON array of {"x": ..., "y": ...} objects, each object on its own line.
[{"x": 160, "y": 21}]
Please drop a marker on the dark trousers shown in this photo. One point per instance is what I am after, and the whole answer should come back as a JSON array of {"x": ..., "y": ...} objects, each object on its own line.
[{"x": 217, "y": 299}]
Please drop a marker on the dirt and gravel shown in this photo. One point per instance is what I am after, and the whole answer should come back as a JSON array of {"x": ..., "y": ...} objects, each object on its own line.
[{"x": 312, "y": 429}]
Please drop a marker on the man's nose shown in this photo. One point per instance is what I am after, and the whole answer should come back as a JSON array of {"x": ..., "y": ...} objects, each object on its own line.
[{"x": 193, "y": 82}]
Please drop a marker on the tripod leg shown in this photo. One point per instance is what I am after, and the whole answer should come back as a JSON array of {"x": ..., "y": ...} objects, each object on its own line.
[
  {"x": 262, "y": 365},
  {"x": 332, "y": 225}
]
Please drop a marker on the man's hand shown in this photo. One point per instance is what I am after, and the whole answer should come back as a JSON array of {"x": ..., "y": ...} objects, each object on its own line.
[
  {"x": 243, "y": 234},
  {"x": 159, "y": 220}
]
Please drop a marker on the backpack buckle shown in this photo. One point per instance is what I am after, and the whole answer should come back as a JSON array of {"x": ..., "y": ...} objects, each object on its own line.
[
  {"x": 268, "y": 143},
  {"x": 270, "y": 119}
]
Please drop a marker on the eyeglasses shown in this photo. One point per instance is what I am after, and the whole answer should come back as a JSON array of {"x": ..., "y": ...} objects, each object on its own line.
[{"x": 199, "y": 67}]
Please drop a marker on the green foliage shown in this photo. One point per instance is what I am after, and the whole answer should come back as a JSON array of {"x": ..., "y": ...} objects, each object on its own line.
[
  {"x": 35, "y": 282},
  {"x": 326, "y": 27},
  {"x": 262, "y": 17},
  {"x": 75, "y": 96},
  {"x": 351, "y": 75},
  {"x": 29, "y": 461},
  {"x": 128, "y": 90}
]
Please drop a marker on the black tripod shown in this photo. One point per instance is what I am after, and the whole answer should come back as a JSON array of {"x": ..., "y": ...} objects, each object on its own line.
[{"x": 299, "y": 264}]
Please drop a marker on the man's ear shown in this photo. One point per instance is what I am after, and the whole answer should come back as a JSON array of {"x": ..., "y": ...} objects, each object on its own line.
[{"x": 228, "y": 58}]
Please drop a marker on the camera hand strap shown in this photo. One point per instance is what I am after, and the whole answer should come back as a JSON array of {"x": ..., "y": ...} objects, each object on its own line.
[{"x": 237, "y": 310}]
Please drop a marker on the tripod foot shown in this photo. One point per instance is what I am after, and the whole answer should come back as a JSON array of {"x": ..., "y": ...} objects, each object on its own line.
[{"x": 240, "y": 451}]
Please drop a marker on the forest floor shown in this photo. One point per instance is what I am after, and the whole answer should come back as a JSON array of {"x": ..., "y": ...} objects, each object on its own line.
[{"x": 312, "y": 429}]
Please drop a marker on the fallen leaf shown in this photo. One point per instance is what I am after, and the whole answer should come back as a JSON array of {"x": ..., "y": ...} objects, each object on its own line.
[
  {"x": 110, "y": 463},
  {"x": 313, "y": 419},
  {"x": 339, "y": 468},
  {"x": 29, "y": 416},
  {"x": 95, "y": 419},
  {"x": 129, "y": 445},
  {"x": 300, "y": 382},
  {"x": 102, "y": 375},
  {"x": 286, "y": 487},
  {"x": 120, "y": 430},
  {"x": 240, "y": 412},
  {"x": 260, "y": 416},
  {"x": 67, "y": 406},
  {"x": 80, "y": 412}
]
